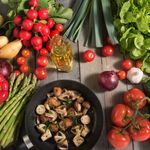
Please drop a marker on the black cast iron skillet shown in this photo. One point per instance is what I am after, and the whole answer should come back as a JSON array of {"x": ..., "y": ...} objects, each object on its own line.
[{"x": 32, "y": 138}]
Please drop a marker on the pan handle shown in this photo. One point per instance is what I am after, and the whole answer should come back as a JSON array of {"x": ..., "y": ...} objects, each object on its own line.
[{"x": 24, "y": 144}]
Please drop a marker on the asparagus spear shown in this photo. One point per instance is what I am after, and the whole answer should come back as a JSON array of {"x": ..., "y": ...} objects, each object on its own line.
[
  {"x": 11, "y": 131},
  {"x": 15, "y": 100}
]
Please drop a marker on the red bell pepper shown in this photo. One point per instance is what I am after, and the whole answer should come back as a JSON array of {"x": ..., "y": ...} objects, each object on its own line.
[{"x": 4, "y": 87}]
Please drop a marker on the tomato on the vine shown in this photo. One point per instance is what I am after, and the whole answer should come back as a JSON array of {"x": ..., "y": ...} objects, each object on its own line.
[
  {"x": 25, "y": 35},
  {"x": 88, "y": 55},
  {"x": 121, "y": 115},
  {"x": 27, "y": 24},
  {"x": 140, "y": 131},
  {"x": 122, "y": 74},
  {"x": 41, "y": 73},
  {"x": 45, "y": 31},
  {"x": 33, "y": 3},
  {"x": 59, "y": 27},
  {"x": 21, "y": 60},
  {"x": 26, "y": 53},
  {"x": 108, "y": 50},
  {"x": 38, "y": 27},
  {"x": 126, "y": 64},
  {"x": 118, "y": 138},
  {"x": 36, "y": 41},
  {"x": 32, "y": 14},
  {"x": 42, "y": 61},
  {"x": 50, "y": 23},
  {"x": 42, "y": 13},
  {"x": 24, "y": 68},
  {"x": 135, "y": 98},
  {"x": 18, "y": 20}
]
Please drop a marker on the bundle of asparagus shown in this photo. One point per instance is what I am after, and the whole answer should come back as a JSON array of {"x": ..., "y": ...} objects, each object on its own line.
[{"x": 12, "y": 111}]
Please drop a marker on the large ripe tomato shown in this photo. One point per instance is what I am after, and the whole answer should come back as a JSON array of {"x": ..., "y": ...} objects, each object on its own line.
[
  {"x": 118, "y": 138},
  {"x": 140, "y": 131},
  {"x": 121, "y": 115},
  {"x": 42, "y": 61},
  {"x": 133, "y": 96}
]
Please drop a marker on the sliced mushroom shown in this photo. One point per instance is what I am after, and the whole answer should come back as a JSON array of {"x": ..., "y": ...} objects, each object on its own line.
[
  {"x": 46, "y": 105},
  {"x": 59, "y": 137},
  {"x": 63, "y": 145},
  {"x": 77, "y": 106},
  {"x": 47, "y": 135},
  {"x": 77, "y": 129},
  {"x": 54, "y": 127},
  {"x": 80, "y": 99},
  {"x": 51, "y": 114},
  {"x": 41, "y": 128},
  {"x": 50, "y": 94},
  {"x": 40, "y": 109},
  {"x": 78, "y": 140},
  {"x": 53, "y": 102},
  {"x": 57, "y": 91},
  {"x": 85, "y": 131},
  {"x": 86, "y": 106},
  {"x": 61, "y": 110},
  {"x": 62, "y": 126},
  {"x": 85, "y": 119},
  {"x": 71, "y": 112},
  {"x": 44, "y": 119}
]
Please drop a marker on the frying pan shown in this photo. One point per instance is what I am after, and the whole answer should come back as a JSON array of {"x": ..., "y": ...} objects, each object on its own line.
[{"x": 31, "y": 138}]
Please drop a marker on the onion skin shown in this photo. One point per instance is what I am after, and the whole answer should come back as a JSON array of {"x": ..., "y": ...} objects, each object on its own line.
[
  {"x": 5, "y": 68},
  {"x": 108, "y": 80}
]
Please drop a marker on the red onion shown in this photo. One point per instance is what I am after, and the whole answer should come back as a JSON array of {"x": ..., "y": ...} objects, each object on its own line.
[
  {"x": 5, "y": 68},
  {"x": 108, "y": 80}
]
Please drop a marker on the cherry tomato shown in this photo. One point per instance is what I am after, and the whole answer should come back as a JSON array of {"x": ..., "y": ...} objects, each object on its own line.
[
  {"x": 126, "y": 64},
  {"x": 32, "y": 14},
  {"x": 48, "y": 46},
  {"x": 122, "y": 74},
  {"x": 50, "y": 23},
  {"x": 27, "y": 24},
  {"x": 17, "y": 73},
  {"x": 18, "y": 20},
  {"x": 54, "y": 33},
  {"x": 44, "y": 52},
  {"x": 37, "y": 48},
  {"x": 45, "y": 38},
  {"x": 88, "y": 55},
  {"x": 26, "y": 53},
  {"x": 59, "y": 27},
  {"x": 21, "y": 60},
  {"x": 16, "y": 32},
  {"x": 25, "y": 35},
  {"x": 36, "y": 41},
  {"x": 38, "y": 27},
  {"x": 42, "y": 61},
  {"x": 41, "y": 73},
  {"x": 108, "y": 50},
  {"x": 118, "y": 138},
  {"x": 42, "y": 13},
  {"x": 26, "y": 43},
  {"x": 45, "y": 31},
  {"x": 33, "y": 3},
  {"x": 121, "y": 115},
  {"x": 139, "y": 63},
  {"x": 24, "y": 68},
  {"x": 140, "y": 131},
  {"x": 133, "y": 96}
]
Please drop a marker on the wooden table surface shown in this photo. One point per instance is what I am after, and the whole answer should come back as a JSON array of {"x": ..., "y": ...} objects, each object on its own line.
[{"x": 87, "y": 73}]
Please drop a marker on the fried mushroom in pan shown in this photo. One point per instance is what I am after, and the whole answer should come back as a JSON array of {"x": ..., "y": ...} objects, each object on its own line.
[
  {"x": 61, "y": 111},
  {"x": 78, "y": 140},
  {"x": 53, "y": 102},
  {"x": 57, "y": 91}
]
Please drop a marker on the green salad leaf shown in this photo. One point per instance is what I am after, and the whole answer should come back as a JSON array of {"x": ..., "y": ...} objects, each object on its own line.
[{"x": 132, "y": 22}]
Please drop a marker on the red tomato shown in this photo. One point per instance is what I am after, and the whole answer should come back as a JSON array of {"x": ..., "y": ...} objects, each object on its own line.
[
  {"x": 59, "y": 27},
  {"x": 17, "y": 72},
  {"x": 17, "y": 20},
  {"x": 21, "y": 60},
  {"x": 53, "y": 33},
  {"x": 88, "y": 55},
  {"x": 121, "y": 115},
  {"x": 16, "y": 32},
  {"x": 140, "y": 131},
  {"x": 25, "y": 35},
  {"x": 42, "y": 61},
  {"x": 139, "y": 63},
  {"x": 50, "y": 22},
  {"x": 108, "y": 50},
  {"x": 133, "y": 96},
  {"x": 27, "y": 24},
  {"x": 126, "y": 64},
  {"x": 41, "y": 73},
  {"x": 118, "y": 138},
  {"x": 122, "y": 74},
  {"x": 26, "y": 53},
  {"x": 44, "y": 52},
  {"x": 24, "y": 68},
  {"x": 33, "y": 3},
  {"x": 42, "y": 13}
]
